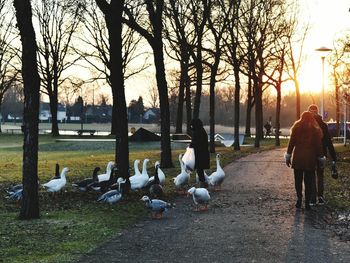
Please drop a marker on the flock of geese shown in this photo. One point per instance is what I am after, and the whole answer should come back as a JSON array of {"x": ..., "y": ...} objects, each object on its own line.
[{"x": 111, "y": 188}]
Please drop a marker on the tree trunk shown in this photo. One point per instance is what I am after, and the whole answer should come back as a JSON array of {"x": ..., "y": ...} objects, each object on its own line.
[
  {"x": 199, "y": 81},
  {"x": 114, "y": 115},
  {"x": 53, "y": 109},
  {"x": 249, "y": 109},
  {"x": 181, "y": 97},
  {"x": 337, "y": 109},
  {"x": 278, "y": 115},
  {"x": 212, "y": 110},
  {"x": 165, "y": 156},
  {"x": 258, "y": 114},
  {"x": 31, "y": 80},
  {"x": 188, "y": 104},
  {"x": 236, "y": 145},
  {"x": 0, "y": 113},
  {"x": 113, "y": 18},
  {"x": 297, "y": 97}
]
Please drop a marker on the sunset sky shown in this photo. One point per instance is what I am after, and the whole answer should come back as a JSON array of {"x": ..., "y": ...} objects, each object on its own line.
[{"x": 328, "y": 19}]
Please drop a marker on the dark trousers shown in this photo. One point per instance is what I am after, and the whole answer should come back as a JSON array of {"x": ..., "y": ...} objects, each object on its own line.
[
  {"x": 200, "y": 173},
  {"x": 299, "y": 175},
  {"x": 317, "y": 184}
]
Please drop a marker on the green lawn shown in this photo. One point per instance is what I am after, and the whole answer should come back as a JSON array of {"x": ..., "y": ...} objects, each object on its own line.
[{"x": 73, "y": 223}]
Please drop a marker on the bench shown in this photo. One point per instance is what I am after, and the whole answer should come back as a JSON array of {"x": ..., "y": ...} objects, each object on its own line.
[{"x": 81, "y": 132}]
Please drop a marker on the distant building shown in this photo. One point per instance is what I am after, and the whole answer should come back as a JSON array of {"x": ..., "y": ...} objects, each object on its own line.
[
  {"x": 45, "y": 112},
  {"x": 151, "y": 115}
]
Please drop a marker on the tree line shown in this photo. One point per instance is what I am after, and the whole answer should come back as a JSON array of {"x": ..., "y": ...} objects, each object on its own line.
[{"x": 250, "y": 44}]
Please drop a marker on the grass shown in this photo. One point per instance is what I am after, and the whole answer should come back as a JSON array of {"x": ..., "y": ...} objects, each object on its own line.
[
  {"x": 337, "y": 192},
  {"x": 73, "y": 223}
]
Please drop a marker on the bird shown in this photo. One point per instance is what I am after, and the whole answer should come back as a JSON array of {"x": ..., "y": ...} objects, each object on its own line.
[
  {"x": 217, "y": 177},
  {"x": 104, "y": 185},
  {"x": 57, "y": 172},
  {"x": 200, "y": 197},
  {"x": 84, "y": 184},
  {"x": 14, "y": 188},
  {"x": 136, "y": 170},
  {"x": 15, "y": 195},
  {"x": 161, "y": 174},
  {"x": 182, "y": 179},
  {"x": 156, "y": 206},
  {"x": 156, "y": 189},
  {"x": 138, "y": 182},
  {"x": 56, "y": 185},
  {"x": 105, "y": 176},
  {"x": 113, "y": 196}
]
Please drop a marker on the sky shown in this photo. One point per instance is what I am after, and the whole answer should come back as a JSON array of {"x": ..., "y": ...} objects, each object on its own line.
[{"x": 328, "y": 20}]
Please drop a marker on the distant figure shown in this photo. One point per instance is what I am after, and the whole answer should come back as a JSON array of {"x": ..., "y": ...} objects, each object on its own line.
[
  {"x": 268, "y": 127},
  {"x": 306, "y": 145},
  {"x": 200, "y": 144},
  {"x": 318, "y": 181}
]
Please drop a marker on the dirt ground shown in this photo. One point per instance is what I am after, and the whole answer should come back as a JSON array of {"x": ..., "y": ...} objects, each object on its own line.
[{"x": 253, "y": 219}]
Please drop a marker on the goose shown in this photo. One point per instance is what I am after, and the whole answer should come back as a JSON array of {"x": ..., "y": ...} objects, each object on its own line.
[
  {"x": 113, "y": 196},
  {"x": 136, "y": 170},
  {"x": 156, "y": 206},
  {"x": 56, "y": 185},
  {"x": 14, "y": 188},
  {"x": 57, "y": 172},
  {"x": 200, "y": 197},
  {"x": 217, "y": 177},
  {"x": 156, "y": 189},
  {"x": 105, "y": 176},
  {"x": 16, "y": 195},
  {"x": 104, "y": 185},
  {"x": 161, "y": 174},
  {"x": 182, "y": 179},
  {"x": 84, "y": 184},
  {"x": 140, "y": 181}
]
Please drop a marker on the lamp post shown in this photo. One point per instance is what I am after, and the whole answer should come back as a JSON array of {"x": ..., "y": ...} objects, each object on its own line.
[{"x": 324, "y": 51}]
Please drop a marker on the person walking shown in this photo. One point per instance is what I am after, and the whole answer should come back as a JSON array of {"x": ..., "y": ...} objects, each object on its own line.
[
  {"x": 305, "y": 145},
  {"x": 327, "y": 146},
  {"x": 200, "y": 145}
]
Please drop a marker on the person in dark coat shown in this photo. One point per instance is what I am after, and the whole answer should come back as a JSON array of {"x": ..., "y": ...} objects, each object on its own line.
[
  {"x": 305, "y": 144},
  {"x": 327, "y": 146},
  {"x": 200, "y": 145}
]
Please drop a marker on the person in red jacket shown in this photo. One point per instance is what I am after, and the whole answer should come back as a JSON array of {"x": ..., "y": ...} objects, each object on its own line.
[
  {"x": 327, "y": 146},
  {"x": 305, "y": 144}
]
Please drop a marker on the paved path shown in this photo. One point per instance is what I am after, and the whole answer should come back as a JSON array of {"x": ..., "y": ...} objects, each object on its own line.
[{"x": 252, "y": 220}]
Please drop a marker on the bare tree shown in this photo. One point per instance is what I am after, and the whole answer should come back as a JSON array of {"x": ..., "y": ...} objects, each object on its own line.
[
  {"x": 113, "y": 13},
  {"x": 153, "y": 95},
  {"x": 58, "y": 20},
  {"x": 8, "y": 52},
  {"x": 31, "y": 80},
  {"x": 233, "y": 56},
  {"x": 295, "y": 52},
  {"x": 151, "y": 28},
  {"x": 96, "y": 50},
  {"x": 180, "y": 34}
]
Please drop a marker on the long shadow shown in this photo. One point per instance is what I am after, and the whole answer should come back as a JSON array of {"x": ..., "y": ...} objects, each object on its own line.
[{"x": 307, "y": 243}]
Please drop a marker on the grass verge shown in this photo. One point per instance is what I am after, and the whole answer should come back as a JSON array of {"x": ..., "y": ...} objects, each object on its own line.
[{"x": 73, "y": 223}]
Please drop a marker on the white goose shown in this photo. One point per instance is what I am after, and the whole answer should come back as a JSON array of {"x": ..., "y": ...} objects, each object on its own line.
[
  {"x": 105, "y": 176},
  {"x": 136, "y": 170},
  {"x": 161, "y": 174},
  {"x": 56, "y": 185},
  {"x": 200, "y": 197},
  {"x": 113, "y": 196},
  {"x": 217, "y": 177},
  {"x": 182, "y": 179},
  {"x": 140, "y": 181}
]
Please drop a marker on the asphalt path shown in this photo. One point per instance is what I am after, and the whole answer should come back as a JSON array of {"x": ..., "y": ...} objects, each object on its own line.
[{"x": 253, "y": 219}]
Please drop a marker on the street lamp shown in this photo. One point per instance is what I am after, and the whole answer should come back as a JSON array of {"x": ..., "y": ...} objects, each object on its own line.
[{"x": 324, "y": 51}]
